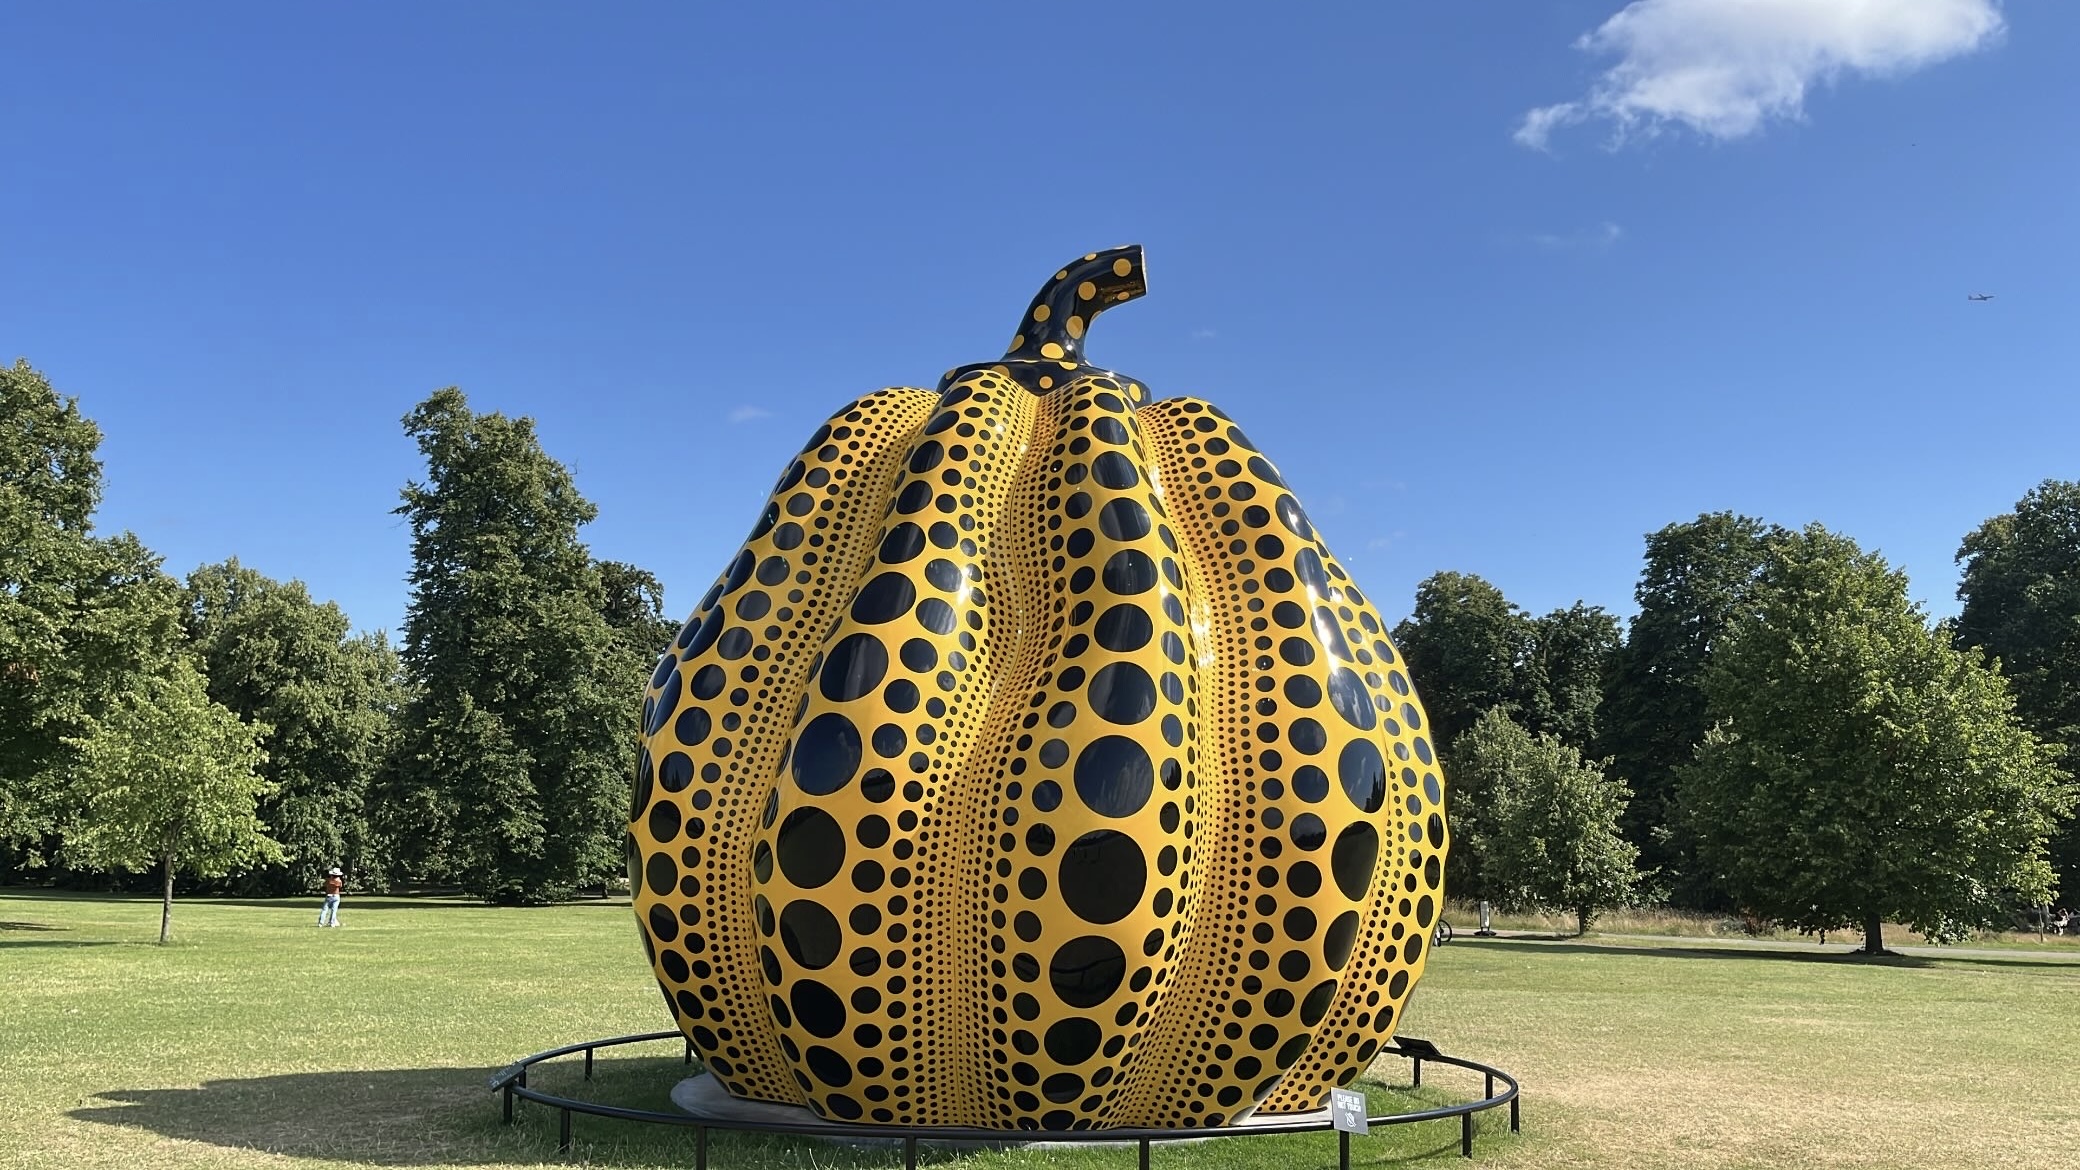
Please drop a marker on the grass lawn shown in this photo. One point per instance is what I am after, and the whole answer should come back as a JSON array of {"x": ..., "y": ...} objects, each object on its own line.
[{"x": 257, "y": 1040}]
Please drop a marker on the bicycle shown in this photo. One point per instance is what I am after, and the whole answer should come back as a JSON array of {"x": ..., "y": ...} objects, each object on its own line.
[{"x": 1441, "y": 933}]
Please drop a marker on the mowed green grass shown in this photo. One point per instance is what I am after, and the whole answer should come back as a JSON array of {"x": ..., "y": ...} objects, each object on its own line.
[{"x": 258, "y": 1040}]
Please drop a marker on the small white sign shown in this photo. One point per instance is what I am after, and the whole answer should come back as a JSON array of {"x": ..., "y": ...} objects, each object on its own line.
[{"x": 1347, "y": 1110}]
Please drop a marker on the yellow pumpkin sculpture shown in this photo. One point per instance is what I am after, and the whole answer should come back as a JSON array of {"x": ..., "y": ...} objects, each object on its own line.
[{"x": 1034, "y": 766}]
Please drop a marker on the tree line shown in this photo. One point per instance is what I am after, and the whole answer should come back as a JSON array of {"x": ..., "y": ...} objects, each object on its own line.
[
  {"x": 231, "y": 728},
  {"x": 1778, "y": 729}
]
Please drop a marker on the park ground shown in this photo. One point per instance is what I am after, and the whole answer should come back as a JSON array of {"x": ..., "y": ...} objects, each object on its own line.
[{"x": 257, "y": 1040}]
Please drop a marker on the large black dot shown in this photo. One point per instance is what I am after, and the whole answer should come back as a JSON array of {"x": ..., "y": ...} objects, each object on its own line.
[
  {"x": 661, "y": 874},
  {"x": 1103, "y": 874},
  {"x": 1124, "y": 627},
  {"x": 1352, "y": 857},
  {"x": 854, "y": 667},
  {"x": 936, "y": 616},
  {"x": 1086, "y": 971},
  {"x": 667, "y": 703},
  {"x": 884, "y": 599},
  {"x": 1073, "y": 1041},
  {"x": 944, "y": 575},
  {"x": 1338, "y": 940},
  {"x": 676, "y": 772},
  {"x": 1364, "y": 774},
  {"x": 1122, "y": 693},
  {"x": 811, "y": 847},
  {"x": 1130, "y": 571},
  {"x": 826, "y": 754},
  {"x": 664, "y": 820},
  {"x": 692, "y": 726},
  {"x": 810, "y": 933},
  {"x": 830, "y": 1067},
  {"x": 1350, "y": 698},
  {"x": 1114, "y": 470},
  {"x": 1114, "y": 776},
  {"x": 1123, "y": 520},
  {"x": 817, "y": 1008},
  {"x": 903, "y": 542}
]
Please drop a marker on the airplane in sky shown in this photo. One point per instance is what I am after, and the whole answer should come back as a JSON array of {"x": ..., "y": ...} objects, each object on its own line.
[{"x": 1979, "y": 296}]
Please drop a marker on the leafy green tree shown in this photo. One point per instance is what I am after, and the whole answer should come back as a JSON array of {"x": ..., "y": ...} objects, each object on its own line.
[
  {"x": 274, "y": 657},
  {"x": 2021, "y": 594},
  {"x": 1697, "y": 578},
  {"x": 80, "y": 616},
  {"x": 1466, "y": 646},
  {"x": 1561, "y": 686},
  {"x": 1862, "y": 769},
  {"x": 168, "y": 779},
  {"x": 1540, "y": 825},
  {"x": 512, "y": 763}
]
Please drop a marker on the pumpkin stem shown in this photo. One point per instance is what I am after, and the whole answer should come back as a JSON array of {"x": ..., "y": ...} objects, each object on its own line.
[{"x": 1054, "y": 324}]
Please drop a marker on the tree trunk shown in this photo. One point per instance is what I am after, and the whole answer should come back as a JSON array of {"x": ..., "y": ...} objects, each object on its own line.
[
  {"x": 1581, "y": 921},
  {"x": 166, "y": 905},
  {"x": 1873, "y": 933}
]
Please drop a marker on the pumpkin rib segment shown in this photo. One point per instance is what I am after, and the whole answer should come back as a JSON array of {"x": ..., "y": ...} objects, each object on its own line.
[
  {"x": 693, "y": 839},
  {"x": 864, "y": 905},
  {"x": 1090, "y": 870},
  {"x": 1405, "y": 897},
  {"x": 1182, "y": 1040},
  {"x": 1296, "y": 694}
]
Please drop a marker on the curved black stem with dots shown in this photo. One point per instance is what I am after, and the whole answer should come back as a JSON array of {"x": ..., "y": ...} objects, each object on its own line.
[{"x": 1049, "y": 342}]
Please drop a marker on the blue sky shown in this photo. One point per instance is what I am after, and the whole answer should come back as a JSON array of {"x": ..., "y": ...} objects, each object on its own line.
[{"x": 1726, "y": 267}]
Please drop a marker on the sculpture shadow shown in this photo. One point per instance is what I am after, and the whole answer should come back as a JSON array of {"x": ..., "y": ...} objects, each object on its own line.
[
  {"x": 447, "y": 1117},
  {"x": 1751, "y": 954}
]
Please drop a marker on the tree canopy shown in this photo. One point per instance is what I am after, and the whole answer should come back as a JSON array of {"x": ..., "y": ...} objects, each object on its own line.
[
  {"x": 80, "y": 616},
  {"x": 1537, "y": 825},
  {"x": 514, "y": 752},
  {"x": 167, "y": 779},
  {"x": 1860, "y": 768},
  {"x": 276, "y": 658},
  {"x": 1696, "y": 578},
  {"x": 2021, "y": 594}
]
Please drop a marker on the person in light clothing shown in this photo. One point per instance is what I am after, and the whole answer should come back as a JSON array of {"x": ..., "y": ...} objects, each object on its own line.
[{"x": 328, "y": 914}]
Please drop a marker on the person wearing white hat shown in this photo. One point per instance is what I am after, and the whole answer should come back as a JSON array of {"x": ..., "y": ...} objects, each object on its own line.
[{"x": 328, "y": 914}]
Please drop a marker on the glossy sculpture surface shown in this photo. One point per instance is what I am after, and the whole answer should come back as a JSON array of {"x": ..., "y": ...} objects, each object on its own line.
[{"x": 1034, "y": 765}]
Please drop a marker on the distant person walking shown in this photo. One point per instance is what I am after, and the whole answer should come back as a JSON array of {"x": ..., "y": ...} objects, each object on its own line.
[{"x": 328, "y": 914}]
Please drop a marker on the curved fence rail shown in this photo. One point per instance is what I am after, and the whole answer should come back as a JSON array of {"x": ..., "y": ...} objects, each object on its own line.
[{"x": 511, "y": 1083}]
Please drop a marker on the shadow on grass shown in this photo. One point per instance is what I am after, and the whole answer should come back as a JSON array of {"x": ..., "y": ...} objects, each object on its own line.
[
  {"x": 1754, "y": 954},
  {"x": 447, "y": 1117}
]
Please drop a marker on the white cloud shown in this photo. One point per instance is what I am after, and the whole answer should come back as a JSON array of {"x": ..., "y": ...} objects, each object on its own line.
[
  {"x": 1724, "y": 67},
  {"x": 1205, "y": 334},
  {"x": 1603, "y": 235},
  {"x": 749, "y": 413}
]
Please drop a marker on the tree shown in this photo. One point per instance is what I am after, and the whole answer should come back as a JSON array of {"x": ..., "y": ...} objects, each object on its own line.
[
  {"x": 1697, "y": 577},
  {"x": 1860, "y": 768},
  {"x": 1541, "y": 825},
  {"x": 514, "y": 752},
  {"x": 2021, "y": 594},
  {"x": 80, "y": 617},
  {"x": 1561, "y": 688},
  {"x": 1466, "y": 645},
  {"x": 275, "y": 657},
  {"x": 167, "y": 779}
]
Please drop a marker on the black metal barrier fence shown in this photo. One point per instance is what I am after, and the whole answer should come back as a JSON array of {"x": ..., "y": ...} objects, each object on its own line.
[{"x": 511, "y": 1083}]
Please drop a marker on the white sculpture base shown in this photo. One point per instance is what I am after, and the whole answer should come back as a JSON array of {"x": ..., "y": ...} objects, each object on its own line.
[{"x": 703, "y": 1096}]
